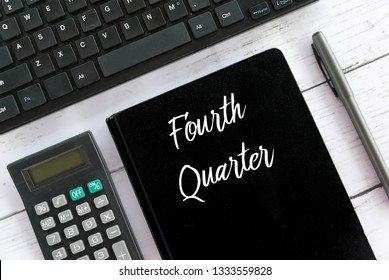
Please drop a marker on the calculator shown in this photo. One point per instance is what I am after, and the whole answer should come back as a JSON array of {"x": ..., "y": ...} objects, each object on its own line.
[{"x": 72, "y": 203}]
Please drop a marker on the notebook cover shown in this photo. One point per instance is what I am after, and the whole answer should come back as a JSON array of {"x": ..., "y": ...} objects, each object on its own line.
[{"x": 232, "y": 166}]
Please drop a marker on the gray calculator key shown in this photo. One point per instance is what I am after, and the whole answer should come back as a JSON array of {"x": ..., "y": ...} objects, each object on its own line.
[
  {"x": 41, "y": 208},
  {"x": 77, "y": 247},
  {"x": 83, "y": 209},
  {"x": 113, "y": 232},
  {"x": 65, "y": 216},
  {"x": 59, "y": 254},
  {"x": 89, "y": 224},
  {"x": 107, "y": 216},
  {"x": 95, "y": 239},
  {"x": 71, "y": 231},
  {"x": 101, "y": 201},
  {"x": 47, "y": 223},
  {"x": 84, "y": 258},
  {"x": 53, "y": 239},
  {"x": 59, "y": 201},
  {"x": 101, "y": 254},
  {"x": 121, "y": 251}
]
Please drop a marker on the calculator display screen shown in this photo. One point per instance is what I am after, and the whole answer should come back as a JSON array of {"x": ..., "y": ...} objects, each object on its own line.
[{"x": 56, "y": 166}]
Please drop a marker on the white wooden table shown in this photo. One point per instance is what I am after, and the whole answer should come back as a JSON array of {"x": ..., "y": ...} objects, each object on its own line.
[{"x": 358, "y": 31}]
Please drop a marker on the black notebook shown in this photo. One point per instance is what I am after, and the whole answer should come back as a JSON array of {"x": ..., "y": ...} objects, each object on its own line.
[{"x": 232, "y": 166}]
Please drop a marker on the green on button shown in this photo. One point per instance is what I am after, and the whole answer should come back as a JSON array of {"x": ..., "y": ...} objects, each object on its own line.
[
  {"x": 77, "y": 193},
  {"x": 95, "y": 186}
]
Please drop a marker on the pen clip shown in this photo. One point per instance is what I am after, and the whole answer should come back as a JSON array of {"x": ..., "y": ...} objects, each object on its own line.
[{"x": 324, "y": 70}]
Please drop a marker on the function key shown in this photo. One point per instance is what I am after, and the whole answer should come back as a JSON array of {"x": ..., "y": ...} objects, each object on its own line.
[
  {"x": 113, "y": 232},
  {"x": 42, "y": 208},
  {"x": 47, "y": 223},
  {"x": 101, "y": 201},
  {"x": 9, "y": 29},
  {"x": 59, "y": 201},
  {"x": 65, "y": 216},
  {"x": 279, "y": 4},
  {"x": 107, "y": 216},
  {"x": 11, "y": 6},
  {"x": 83, "y": 209},
  {"x": 31, "y": 97}
]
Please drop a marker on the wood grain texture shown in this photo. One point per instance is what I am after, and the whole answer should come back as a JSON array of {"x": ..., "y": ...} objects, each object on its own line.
[{"x": 357, "y": 31}]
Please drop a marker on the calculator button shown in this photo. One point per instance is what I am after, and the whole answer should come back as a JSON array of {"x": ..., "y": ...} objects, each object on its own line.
[
  {"x": 101, "y": 201},
  {"x": 95, "y": 186},
  {"x": 83, "y": 209},
  {"x": 47, "y": 223},
  {"x": 107, "y": 216},
  {"x": 95, "y": 239},
  {"x": 71, "y": 231},
  {"x": 77, "y": 193},
  {"x": 41, "y": 208},
  {"x": 89, "y": 224},
  {"x": 77, "y": 247},
  {"x": 53, "y": 239},
  {"x": 59, "y": 201},
  {"x": 101, "y": 254},
  {"x": 113, "y": 232},
  {"x": 65, "y": 216},
  {"x": 84, "y": 258},
  {"x": 59, "y": 254},
  {"x": 121, "y": 251}
]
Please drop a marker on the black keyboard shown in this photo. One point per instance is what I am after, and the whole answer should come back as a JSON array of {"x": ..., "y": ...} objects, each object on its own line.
[{"x": 58, "y": 52}]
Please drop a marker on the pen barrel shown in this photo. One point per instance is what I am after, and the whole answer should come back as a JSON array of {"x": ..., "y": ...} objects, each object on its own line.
[{"x": 368, "y": 141}]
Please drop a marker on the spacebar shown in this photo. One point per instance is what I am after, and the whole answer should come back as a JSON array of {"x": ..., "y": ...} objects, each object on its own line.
[{"x": 143, "y": 49}]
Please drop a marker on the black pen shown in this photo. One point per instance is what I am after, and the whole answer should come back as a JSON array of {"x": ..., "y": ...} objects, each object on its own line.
[{"x": 338, "y": 82}]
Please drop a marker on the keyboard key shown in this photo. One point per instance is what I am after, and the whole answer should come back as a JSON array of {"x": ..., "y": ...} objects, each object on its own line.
[
  {"x": 131, "y": 28},
  {"x": 42, "y": 65},
  {"x": 31, "y": 97},
  {"x": 23, "y": 48},
  {"x": 89, "y": 20},
  {"x": 53, "y": 10},
  {"x": 45, "y": 38},
  {"x": 58, "y": 86},
  {"x": 202, "y": 25},
  {"x": 143, "y": 49},
  {"x": 30, "y": 19},
  {"x": 65, "y": 216},
  {"x": 9, "y": 29},
  {"x": 175, "y": 9},
  {"x": 67, "y": 29},
  {"x": 109, "y": 37},
  {"x": 11, "y": 6},
  {"x": 197, "y": 5},
  {"x": 120, "y": 250},
  {"x": 65, "y": 56},
  {"x": 6, "y": 58},
  {"x": 59, "y": 201},
  {"x": 153, "y": 19},
  {"x": 111, "y": 11},
  {"x": 279, "y": 4},
  {"x": 47, "y": 223},
  {"x": 75, "y": 5},
  {"x": 87, "y": 47},
  {"x": 133, "y": 6},
  {"x": 229, "y": 13},
  {"x": 85, "y": 74},
  {"x": 14, "y": 77},
  {"x": 259, "y": 10},
  {"x": 8, "y": 108}
]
